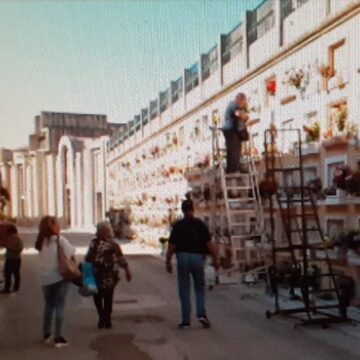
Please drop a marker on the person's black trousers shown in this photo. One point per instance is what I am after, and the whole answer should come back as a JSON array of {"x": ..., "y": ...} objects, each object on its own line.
[
  {"x": 233, "y": 149},
  {"x": 103, "y": 301},
  {"x": 12, "y": 269}
]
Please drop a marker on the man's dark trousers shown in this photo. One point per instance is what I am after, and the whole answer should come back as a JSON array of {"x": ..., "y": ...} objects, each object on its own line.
[
  {"x": 12, "y": 268},
  {"x": 233, "y": 148}
]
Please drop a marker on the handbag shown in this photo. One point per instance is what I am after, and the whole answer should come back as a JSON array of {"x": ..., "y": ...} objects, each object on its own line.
[
  {"x": 89, "y": 286},
  {"x": 67, "y": 266}
]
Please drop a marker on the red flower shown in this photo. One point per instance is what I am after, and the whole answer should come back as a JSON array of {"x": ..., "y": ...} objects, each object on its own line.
[{"x": 271, "y": 86}]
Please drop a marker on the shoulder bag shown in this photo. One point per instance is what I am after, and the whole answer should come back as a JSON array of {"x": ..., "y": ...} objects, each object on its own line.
[{"x": 67, "y": 267}]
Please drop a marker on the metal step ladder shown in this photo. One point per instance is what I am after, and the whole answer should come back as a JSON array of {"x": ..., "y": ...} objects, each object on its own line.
[
  {"x": 244, "y": 212},
  {"x": 295, "y": 206}
]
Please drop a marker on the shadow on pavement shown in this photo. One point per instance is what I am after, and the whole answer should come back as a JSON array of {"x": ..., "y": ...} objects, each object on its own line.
[{"x": 107, "y": 348}]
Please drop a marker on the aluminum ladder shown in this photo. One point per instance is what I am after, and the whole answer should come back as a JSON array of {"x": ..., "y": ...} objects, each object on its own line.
[{"x": 241, "y": 194}]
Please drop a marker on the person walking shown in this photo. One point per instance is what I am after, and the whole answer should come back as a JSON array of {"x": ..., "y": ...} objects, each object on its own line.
[
  {"x": 14, "y": 247},
  {"x": 106, "y": 256},
  {"x": 190, "y": 240},
  {"x": 55, "y": 287},
  {"x": 235, "y": 132}
]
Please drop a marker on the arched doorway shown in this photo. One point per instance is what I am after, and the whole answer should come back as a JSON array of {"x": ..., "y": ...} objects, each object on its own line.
[{"x": 66, "y": 195}]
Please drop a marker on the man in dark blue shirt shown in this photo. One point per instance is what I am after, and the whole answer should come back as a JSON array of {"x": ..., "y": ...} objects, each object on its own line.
[
  {"x": 191, "y": 241},
  {"x": 235, "y": 132}
]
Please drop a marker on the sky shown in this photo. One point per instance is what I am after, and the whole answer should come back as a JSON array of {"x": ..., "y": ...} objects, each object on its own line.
[{"x": 105, "y": 57}]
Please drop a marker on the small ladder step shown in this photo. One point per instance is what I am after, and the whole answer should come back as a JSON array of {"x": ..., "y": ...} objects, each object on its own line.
[
  {"x": 285, "y": 201},
  {"x": 276, "y": 169},
  {"x": 298, "y": 215},
  {"x": 300, "y": 230},
  {"x": 242, "y": 211},
  {"x": 238, "y": 187},
  {"x": 237, "y": 175},
  {"x": 241, "y": 199},
  {"x": 243, "y": 237}
]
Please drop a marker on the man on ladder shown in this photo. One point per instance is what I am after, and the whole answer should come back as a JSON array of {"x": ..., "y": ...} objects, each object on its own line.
[{"x": 235, "y": 132}]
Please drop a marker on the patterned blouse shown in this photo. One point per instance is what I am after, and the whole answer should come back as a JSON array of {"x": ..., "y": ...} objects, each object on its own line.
[{"x": 107, "y": 258}]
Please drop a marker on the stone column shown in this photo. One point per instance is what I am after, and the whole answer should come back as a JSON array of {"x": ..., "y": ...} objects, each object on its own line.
[
  {"x": 14, "y": 191},
  {"x": 79, "y": 222},
  {"x": 88, "y": 192},
  {"x": 28, "y": 190},
  {"x": 36, "y": 178},
  {"x": 51, "y": 184},
  {"x": 59, "y": 187}
]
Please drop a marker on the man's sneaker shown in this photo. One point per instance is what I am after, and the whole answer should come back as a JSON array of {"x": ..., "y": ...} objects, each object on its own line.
[
  {"x": 183, "y": 326},
  {"x": 47, "y": 338},
  {"x": 205, "y": 322},
  {"x": 60, "y": 342}
]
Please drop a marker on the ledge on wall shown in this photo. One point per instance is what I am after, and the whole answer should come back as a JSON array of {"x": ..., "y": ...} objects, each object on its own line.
[
  {"x": 287, "y": 99},
  {"x": 336, "y": 141}
]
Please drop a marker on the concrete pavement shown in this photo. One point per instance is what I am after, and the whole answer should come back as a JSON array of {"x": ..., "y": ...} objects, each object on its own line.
[{"x": 146, "y": 312}]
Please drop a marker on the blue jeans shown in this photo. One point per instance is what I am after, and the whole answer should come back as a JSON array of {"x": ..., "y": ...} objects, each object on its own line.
[
  {"x": 54, "y": 295},
  {"x": 191, "y": 265}
]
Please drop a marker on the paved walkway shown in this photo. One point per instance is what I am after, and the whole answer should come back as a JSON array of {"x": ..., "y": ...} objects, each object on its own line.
[{"x": 145, "y": 317}]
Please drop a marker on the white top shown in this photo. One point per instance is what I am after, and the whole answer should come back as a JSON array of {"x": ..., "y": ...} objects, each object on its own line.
[{"x": 49, "y": 265}]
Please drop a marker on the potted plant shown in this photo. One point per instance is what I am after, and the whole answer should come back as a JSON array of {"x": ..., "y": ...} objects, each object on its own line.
[
  {"x": 295, "y": 77},
  {"x": 341, "y": 117},
  {"x": 312, "y": 133},
  {"x": 352, "y": 130},
  {"x": 328, "y": 134}
]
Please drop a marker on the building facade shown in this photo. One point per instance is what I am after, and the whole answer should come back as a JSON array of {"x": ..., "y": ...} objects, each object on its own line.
[
  {"x": 298, "y": 62},
  {"x": 61, "y": 172}
]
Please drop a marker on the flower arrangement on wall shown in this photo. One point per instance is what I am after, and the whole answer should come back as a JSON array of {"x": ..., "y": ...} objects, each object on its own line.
[
  {"x": 297, "y": 78},
  {"x": 196, "y": 193},
  {"x": 352, "y": 130},
  {"x": 348, "y": 180},
  {"x": 203, "y": 163},
  {"x": 271, "y": 86},
  {"x": 125, "y": 165},
  {"x": 207, "y": 192},
  {"x": 312, "y": 133},
  {"x": 155, "y": 151},
  {"x": 337, "y": 116},
  {"x": 196, "y": 132}
]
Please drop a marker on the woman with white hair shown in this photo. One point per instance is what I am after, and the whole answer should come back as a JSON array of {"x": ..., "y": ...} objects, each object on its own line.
[{"x": 107, "y": 258}]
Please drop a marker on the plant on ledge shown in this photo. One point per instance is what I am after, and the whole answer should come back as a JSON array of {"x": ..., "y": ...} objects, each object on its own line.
[
  {"x": 295, "y": 77},
  {"x": 341, "y": 117},
  {"x": 328, "y": 134},
  {"x": 349, "y": 240},
  {"x": 347, "y": 180},
  {"x": 312, "y": 132},
  {"x": 352, "y": 130},
  {"x": 204, "y": 163}
]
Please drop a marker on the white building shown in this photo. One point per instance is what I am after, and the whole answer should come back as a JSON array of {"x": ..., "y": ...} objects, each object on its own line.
[{"x": 62, "y": 172}]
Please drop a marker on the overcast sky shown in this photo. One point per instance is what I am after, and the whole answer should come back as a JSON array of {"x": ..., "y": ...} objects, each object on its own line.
[{"x": 108, "y": 57}]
